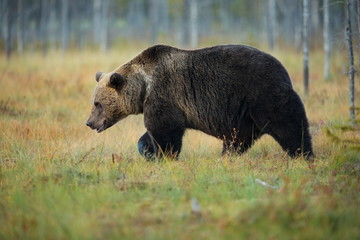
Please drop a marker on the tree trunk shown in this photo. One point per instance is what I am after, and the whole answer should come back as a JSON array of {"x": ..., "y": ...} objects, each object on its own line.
[
  {"x": 186, "y": 23},
  {"x": 136, "y": 17},
  {"x": 351, "y": 61},
  {"x": 305, "y": 45},
  {"x": 8, "y": 27},
  {"x": 358, "y": 24},
  {"x": 44, "y": 26},
  {"x": 154, "y": 19},
  {"x": 207, "y": 19},
  {"x": 97, "y": 21},
  {"x": 20, "y": 27},
  {"x": 288, "y": 24},
  {"x": 2, "y": 19},
  {"x": 271, "y": 23},
  {"x": 298, "y": 27},
  {"x": 104, "y": 41},
  {"x": 52, "y": 25},
  {"x": 224, "y": 16},
  {"x": 315, "y": 17},
  {"x": 194, "y": 31},
  {"x": 64, "y": 25},
  {"x": 164, "y": 16},
  {"x": 326, "y": 40}
]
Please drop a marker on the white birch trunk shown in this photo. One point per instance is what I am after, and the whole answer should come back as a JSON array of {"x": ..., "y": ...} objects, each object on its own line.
[
  {"x": 305, "y": 44},
  {"x": 194, "y": 31},
  {"x": 271, "y": 23},
  {"x": 104, "y": 42},
  {"x": 154, "y": 20},
  {"x": 97, "y": 21},
  {"x": 64, "y": 25}
]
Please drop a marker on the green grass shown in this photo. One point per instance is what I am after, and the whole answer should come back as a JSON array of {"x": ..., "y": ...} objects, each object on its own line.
[{"x": 59, "y": 180}]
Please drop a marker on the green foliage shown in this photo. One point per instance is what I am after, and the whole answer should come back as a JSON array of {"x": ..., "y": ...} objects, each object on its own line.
[{"x": 348, "y": 159}]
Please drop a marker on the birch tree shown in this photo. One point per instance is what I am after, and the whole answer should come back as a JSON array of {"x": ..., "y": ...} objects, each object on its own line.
[
  {"x": 154, "y": 20},
  {"x": 358, "y": 24},
  {"x": 194, "y": 30},
  {"x": 164, "y": 16},
  {"x": 306, "y": 45},
  {"x": 96, "y": 21},
  {"x": 65, "y": 25},
  {"x": 351, "y": 61},
  {"x": 186, "y": 23},
  {"x": 326, "y": 34},
  {"x": 271, "y": 23},
  {"x": 104, "y": 42}
]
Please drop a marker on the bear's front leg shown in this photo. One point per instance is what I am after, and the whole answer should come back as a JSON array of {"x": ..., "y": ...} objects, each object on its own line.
[
  {"x": 160, "y": 144},
  {"x": 168, "y": 142},
  {"x": 147, "y": 147},
  {"x": 165, "y": 125}
]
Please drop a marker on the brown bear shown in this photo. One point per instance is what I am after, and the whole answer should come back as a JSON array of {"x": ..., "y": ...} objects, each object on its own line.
[{"x": 233, "y": 92}]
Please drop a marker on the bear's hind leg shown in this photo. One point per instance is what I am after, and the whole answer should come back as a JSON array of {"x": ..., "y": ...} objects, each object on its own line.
[
  {"x": 287, "y": 124},
  {"x": 243, "y": 140}
]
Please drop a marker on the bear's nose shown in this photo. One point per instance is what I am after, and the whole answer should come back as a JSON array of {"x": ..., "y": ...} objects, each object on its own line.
[{"x": 89, "y": 124}]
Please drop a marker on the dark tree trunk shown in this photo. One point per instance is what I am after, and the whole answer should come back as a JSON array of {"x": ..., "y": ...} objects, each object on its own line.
[
  {"x": 44, "y": 26},
  {"x": 351, "y": 61},
  {"x": 20, "y": 26},
  {"x": 9, "y": 6},
  {"x": 306, "y": 45},
  {"x": 358, "y": 24}
]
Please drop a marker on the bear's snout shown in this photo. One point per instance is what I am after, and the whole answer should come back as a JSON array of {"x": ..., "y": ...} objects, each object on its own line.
[{"x": 89, "y": 124}]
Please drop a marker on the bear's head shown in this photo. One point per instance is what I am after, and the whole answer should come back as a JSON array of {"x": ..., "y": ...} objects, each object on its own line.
[{"x": 115, "y": 97}]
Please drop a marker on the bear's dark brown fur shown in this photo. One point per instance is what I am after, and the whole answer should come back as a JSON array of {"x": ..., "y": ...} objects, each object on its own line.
[{"x": 233, "y": 92}]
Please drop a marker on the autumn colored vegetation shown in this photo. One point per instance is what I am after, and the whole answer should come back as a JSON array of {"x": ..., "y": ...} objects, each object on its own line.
[{"x": 59, "y": 180}]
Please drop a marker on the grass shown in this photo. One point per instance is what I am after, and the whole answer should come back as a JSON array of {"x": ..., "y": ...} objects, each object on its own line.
[{"x": 59, "y": 180}]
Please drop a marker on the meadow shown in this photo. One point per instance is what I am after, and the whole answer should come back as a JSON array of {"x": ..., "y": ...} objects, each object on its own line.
[{"x": 59, "y": 180}]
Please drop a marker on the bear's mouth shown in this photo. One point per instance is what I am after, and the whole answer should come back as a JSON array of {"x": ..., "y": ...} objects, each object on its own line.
[{"x": 102, "y": 127}]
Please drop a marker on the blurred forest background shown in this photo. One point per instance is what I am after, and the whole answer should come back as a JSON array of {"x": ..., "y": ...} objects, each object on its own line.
[{"x": 32, "y": 25}]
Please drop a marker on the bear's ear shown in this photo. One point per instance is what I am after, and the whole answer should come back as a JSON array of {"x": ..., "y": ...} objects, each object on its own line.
[
  {"x": 116, "y": 81},
  {"x": 98, "y": 76}
]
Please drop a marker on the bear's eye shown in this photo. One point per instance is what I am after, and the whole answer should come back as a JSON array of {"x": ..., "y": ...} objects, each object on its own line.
[{"x": 97, "y": 104}]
